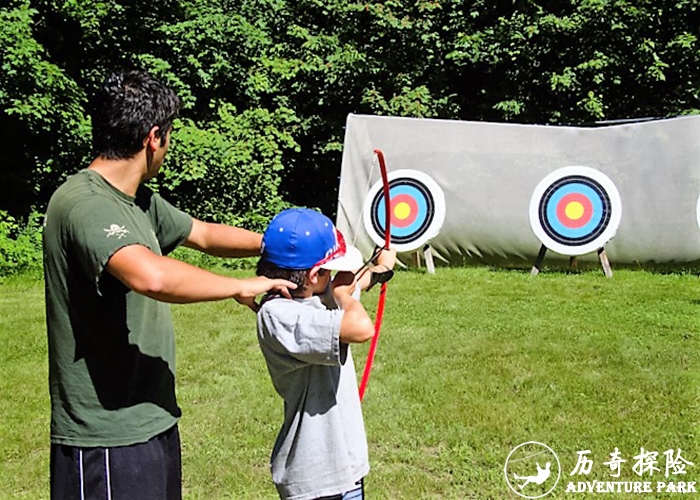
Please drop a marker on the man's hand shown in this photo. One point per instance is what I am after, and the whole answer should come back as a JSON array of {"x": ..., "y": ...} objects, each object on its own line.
[{"x": 252, "y": 287}]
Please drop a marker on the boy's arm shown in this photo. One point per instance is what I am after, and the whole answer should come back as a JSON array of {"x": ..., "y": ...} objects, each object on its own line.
[
  {"x": 356, "y": 325},
  {"x": 385, "y": 261}
]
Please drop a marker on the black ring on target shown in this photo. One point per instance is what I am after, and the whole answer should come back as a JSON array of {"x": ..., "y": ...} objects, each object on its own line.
[{"x": 588, "y": 189}]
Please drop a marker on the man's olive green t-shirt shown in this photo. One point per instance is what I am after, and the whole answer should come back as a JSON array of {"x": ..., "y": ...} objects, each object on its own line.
[{"x": 111, "y": 350}]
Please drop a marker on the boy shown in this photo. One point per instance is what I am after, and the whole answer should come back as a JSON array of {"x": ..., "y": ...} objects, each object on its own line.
[{"x": 321, "y": 449}]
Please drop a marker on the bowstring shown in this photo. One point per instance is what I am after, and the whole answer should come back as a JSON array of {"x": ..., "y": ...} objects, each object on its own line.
[{"x": 355, "y": 230}]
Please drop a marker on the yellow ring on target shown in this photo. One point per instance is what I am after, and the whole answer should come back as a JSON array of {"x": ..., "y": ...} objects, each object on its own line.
[
  {"x": 402, "y": 210},
  {"x": 574, "y": 210}
]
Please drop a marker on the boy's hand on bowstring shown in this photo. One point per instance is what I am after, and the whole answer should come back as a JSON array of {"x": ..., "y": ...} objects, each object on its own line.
[{"x": 343, "y": 282}]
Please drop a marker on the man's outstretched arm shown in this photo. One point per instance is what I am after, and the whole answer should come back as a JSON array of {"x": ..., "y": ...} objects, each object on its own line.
[
  {"x": 222, "y": 240},
  {"x": 170, "y": 280}
]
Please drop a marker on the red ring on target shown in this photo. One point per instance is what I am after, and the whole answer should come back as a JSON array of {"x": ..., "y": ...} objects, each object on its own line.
[
  {"x": 566, "y": 205},
  {"x": 396, "y": 219}
]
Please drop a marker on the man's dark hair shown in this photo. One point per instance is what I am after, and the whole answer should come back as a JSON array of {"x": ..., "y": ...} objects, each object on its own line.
[
  {"x": 125, "y": 109},
  {"x": 269, "y": 270}
]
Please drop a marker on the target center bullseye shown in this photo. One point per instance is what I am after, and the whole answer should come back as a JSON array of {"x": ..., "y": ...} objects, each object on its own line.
[
  {"x": 574, "y": 210},
  {"x": 402, "y": 210}
]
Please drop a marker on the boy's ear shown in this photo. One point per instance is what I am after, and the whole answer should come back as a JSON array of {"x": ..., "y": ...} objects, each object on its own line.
[{"x": 312, "y": 275}]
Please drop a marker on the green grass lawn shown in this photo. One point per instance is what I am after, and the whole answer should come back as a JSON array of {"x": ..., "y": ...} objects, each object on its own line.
[{"x": 471, "y": 363}]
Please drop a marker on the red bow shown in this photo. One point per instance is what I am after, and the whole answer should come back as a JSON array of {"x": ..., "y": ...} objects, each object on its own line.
[{"x": 382, "y": 292}]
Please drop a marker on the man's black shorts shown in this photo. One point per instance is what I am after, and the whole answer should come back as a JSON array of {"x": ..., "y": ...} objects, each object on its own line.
[{"x": 145, "y": 471}]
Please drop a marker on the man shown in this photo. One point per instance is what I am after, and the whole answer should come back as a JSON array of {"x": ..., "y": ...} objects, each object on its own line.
[{"x": 114, "y": 412}]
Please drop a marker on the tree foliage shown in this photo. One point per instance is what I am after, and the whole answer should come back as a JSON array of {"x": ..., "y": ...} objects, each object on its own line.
[
  {"x": 268, "y": 84},
  {"x": 42, "y": 123}
]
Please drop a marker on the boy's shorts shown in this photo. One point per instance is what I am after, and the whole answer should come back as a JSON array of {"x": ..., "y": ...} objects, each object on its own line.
[
  {"x": 355, "y": 494},
  {"x": 144, "y": 471}
]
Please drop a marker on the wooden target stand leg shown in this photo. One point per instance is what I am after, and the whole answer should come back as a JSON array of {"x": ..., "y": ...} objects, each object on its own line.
[
  {"x": 428, "y": 257},
  {"x": 602, "y": 256},
  {"x": 538, "y": 261}
]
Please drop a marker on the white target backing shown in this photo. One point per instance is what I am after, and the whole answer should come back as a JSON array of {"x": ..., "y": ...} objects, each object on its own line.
[
  {"x": 417, "y": 210},
  {"x": 575, "y": 210}
]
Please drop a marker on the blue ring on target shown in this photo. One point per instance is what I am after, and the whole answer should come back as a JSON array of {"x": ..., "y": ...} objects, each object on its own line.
[
  {"x": 423, "y": 204},
  {"x": 593, "y": 223}
]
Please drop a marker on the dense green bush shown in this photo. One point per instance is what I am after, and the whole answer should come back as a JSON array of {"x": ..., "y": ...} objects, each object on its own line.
[
  {"x": 234, "y": 160},
  {"x": 20, "y": 244}
]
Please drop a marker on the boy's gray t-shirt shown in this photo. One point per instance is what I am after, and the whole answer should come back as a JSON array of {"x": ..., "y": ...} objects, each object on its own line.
[{"x": 321, "y": 448}]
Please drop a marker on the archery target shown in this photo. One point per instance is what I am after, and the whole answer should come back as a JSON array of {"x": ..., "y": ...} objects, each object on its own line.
[
  {"x": 575, "y": 210},
  {"x": 417, "y": 209}
]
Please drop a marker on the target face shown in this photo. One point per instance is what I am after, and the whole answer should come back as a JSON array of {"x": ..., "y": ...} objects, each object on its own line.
[
  {"x": 575, "y": 210},
  {"x": 417, "y": 209}
]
